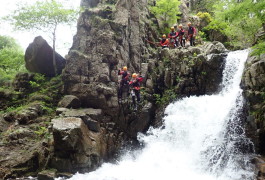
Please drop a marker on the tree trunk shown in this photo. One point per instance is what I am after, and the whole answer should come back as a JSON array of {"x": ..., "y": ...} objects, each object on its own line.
[{"x": 53, "y": 52}]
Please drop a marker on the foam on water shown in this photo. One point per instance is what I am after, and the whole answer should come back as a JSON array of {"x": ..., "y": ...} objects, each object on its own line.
[{"x": 202, "y": 138}]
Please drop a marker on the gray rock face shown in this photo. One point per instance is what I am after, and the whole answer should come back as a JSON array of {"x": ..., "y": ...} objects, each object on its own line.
[
  {"x": 76, "y": 147},
  {"x": 107, "y": 39},
  {"x": 253, "y": 81},
  {"x": 69, "y": 101},
  {"x": 39, "y": 58},
  {"x": 214, "y": 48}
]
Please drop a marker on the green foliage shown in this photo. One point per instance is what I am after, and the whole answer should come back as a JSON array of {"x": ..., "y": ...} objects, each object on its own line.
[
  {"x": 203, "y": 5},
  {"x": 258, "y": 49},
  {"x": 238, "y": 20},
  {"x": 168, "y": 96},
  {"x": 9, "y": 42},
  {"x": 39, "y": 80},
  {"x": 205, "y": 16},
  {"x": 43, "y": 16},
  {"x": 166, "y": 11},
  {"x": 11, "y": 59}
]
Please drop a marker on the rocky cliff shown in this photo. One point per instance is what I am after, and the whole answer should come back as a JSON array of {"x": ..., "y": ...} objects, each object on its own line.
[
  {"x": 253, "y": 81},
  {"x": 90, "y": 126}
]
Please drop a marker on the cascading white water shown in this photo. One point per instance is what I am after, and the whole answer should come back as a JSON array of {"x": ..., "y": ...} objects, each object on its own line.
[{"x": 202, "y": 139}]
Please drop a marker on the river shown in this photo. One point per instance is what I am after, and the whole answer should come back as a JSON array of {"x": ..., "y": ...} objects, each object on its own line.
[{"x": 202, "y": 139}]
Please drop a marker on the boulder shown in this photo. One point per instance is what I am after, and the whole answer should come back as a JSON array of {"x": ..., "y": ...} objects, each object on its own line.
[
  {"x": 214, "y": 47},
  {"x": 39, "y": 58},
  {"x": 69, "y": 101},
  {"x": 72, "y": 137}
]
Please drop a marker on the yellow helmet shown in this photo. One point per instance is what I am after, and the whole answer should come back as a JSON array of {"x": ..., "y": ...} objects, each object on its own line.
[
  {"x": 164, "y": 36},
  {"x": 189, "y": 23},
  {"x": 124, "y": 68},
  {"x": 180, "y": 25},
  {"x": 172, "y": 28},
  {"x": 134, "y": 75}
]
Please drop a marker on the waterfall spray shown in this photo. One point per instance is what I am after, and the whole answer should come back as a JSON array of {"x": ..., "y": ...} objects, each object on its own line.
[{"x": 202, "y": 138}]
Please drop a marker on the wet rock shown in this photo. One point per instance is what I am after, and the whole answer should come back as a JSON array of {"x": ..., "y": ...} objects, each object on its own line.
[
  {"x": 69, "y": 101},
  {"x": 49, "y": 174},
  {"x": 253, "y": 85},
  {"x": 140, "y": 121},
  {"x": 39, "y": 58}
]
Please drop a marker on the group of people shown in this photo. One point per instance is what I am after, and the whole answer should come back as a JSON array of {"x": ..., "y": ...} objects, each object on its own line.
[
  {"x": 179, "y": 37},
  {"x": 133, "y": 84}
]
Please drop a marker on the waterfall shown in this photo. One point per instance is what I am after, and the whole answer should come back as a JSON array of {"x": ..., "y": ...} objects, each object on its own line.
[{"x": 202, "y": 139}]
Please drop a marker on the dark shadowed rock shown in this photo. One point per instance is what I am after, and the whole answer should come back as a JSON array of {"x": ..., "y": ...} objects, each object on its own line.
[
  {"x": 39, "y": 58},
  {"x": 22, "y": 82},
  {"x": 69, "y": 101}
]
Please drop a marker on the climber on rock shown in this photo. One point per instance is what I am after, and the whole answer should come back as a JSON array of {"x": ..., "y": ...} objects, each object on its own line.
[
  {"x": 164, "y": 42},
  {"x": 191, "y": 34},
  {"x": 173, "y": 37},
  {"x": 181, "y": 33},
  {"x": 124, "y": 80},
  {"x": 135, "y": 89}
]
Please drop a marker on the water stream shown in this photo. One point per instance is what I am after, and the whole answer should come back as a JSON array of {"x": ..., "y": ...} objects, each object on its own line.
[{"x": 202, "y": 139}]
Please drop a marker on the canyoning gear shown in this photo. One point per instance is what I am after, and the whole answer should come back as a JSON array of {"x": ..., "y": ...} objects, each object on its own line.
[
  {"x": 191, "y": 34},
  {"x": 124, "y": 68},
  {"x": 124, "y": 81},
  {"x": 164, "y": 36},
  {"x": 135, "y": 92},
  {"x": 181, "y": 33},
  {"x": 173, "y": 38},
  {"x": 164, "y": 43}
]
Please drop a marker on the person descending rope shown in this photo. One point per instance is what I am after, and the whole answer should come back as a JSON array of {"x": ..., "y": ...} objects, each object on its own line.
[
  {"x": 164, "y": 42},
  {"x": 173, "y": 37},
  {"x": 124, "y": 80},
  {"x": 191, "y": 34},
  {"x": 181, "y": 33},
  {"x": 135, "y": 85}
]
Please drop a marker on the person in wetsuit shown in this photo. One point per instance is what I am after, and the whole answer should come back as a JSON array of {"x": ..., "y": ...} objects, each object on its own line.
[
  {"x": 135, "y": 86},
  {"x": 124, "y": 80}
]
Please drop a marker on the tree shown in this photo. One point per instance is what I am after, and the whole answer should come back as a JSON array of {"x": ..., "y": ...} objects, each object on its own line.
[
  {"x": 43, "y": 16},
  {"x": 11, "y": 59},
  {"x": 166, "y": 11},
  {"x": 239, "y": 20}
]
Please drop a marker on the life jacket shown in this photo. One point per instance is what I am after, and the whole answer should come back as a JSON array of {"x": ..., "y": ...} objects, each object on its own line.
[
  {"x": 172, "y": 34},
  {"x": 135, "y": 83},
  {"x": 125, "y": 75},
  {"x": 191, "y": 30},
  {"x": 181, "y": 32},
  {"x": 164, "y": 42}
]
